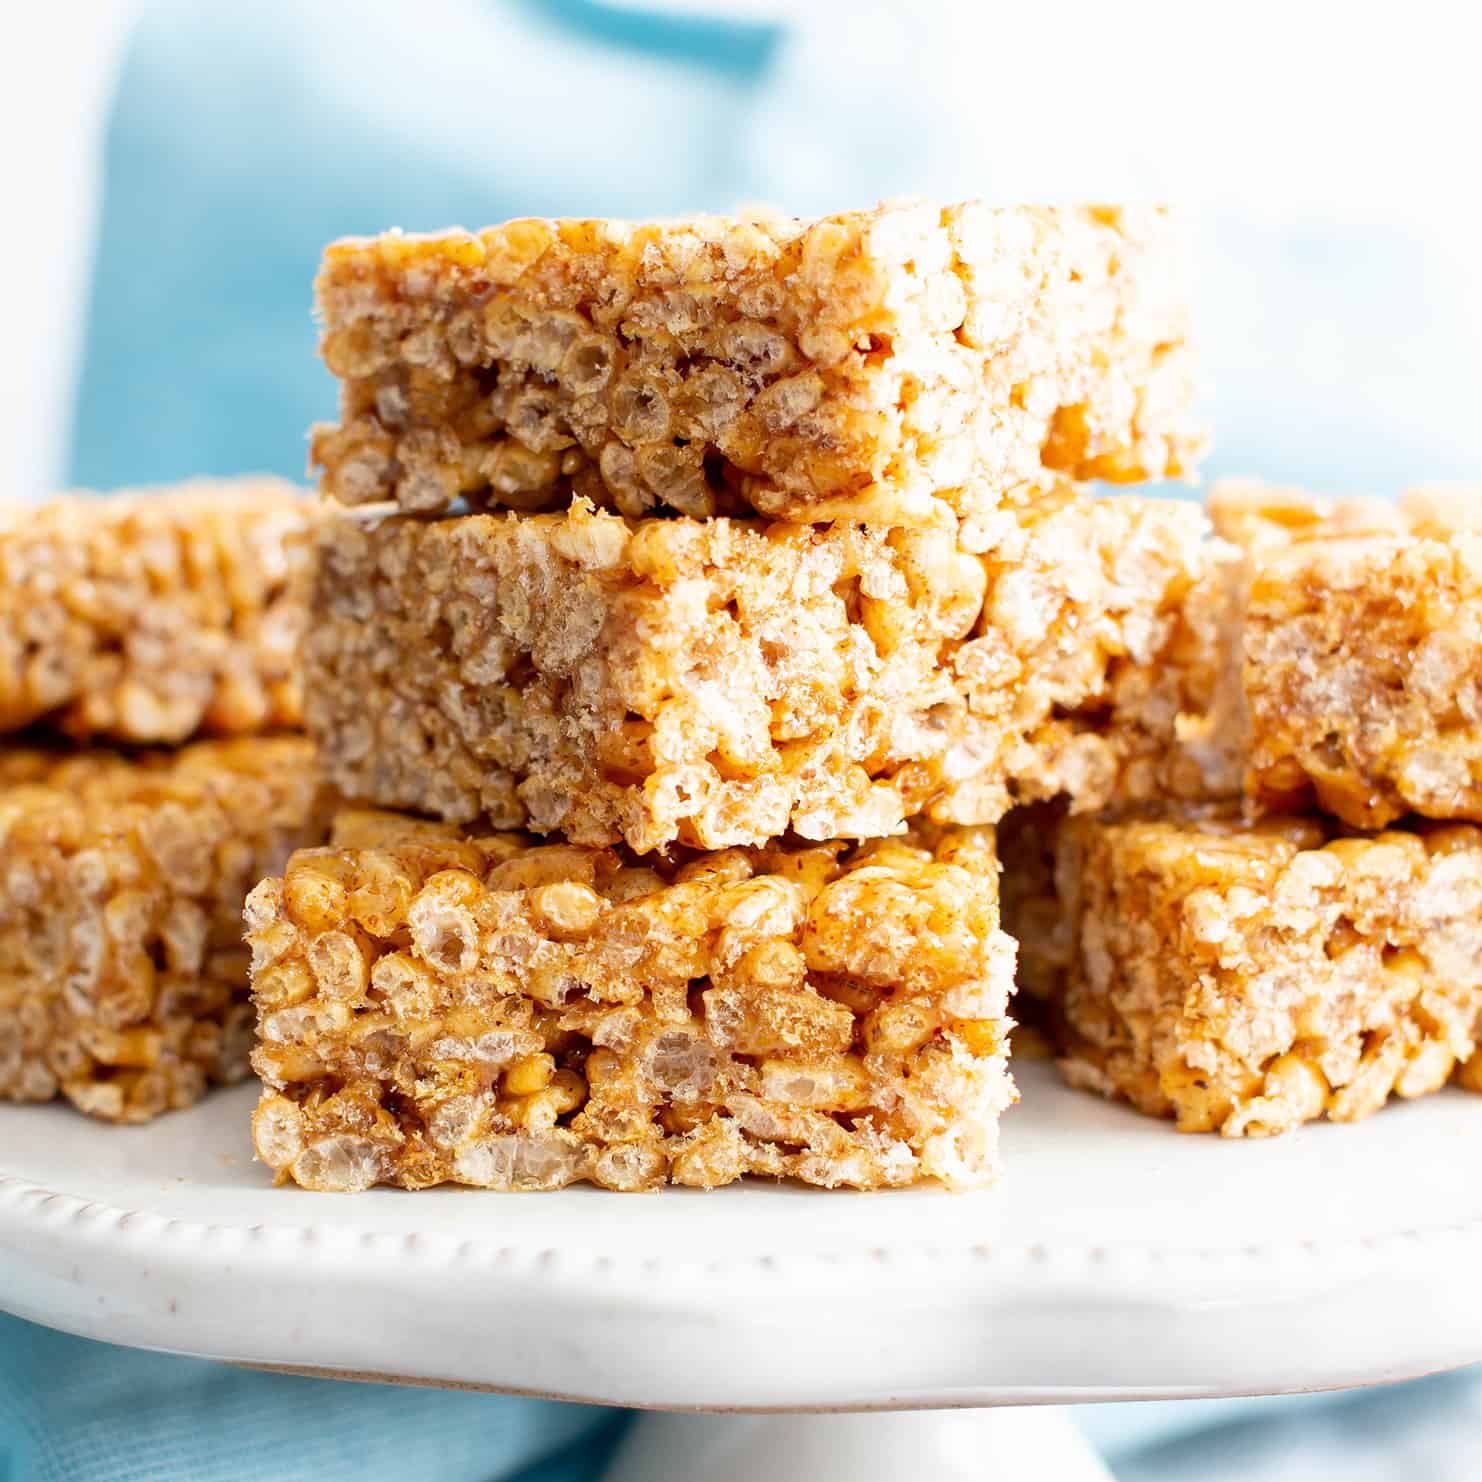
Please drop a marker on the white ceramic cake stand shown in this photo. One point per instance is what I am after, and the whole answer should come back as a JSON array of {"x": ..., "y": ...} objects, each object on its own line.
[{"x": 1117, "y": 1260}]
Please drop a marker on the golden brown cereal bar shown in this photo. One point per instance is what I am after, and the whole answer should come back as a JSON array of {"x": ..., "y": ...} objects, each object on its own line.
[
  {"x": 1362, "y": 651},
  {"x": 440, "y": 1008},
  {"x": 123, "y": 979},
  {"x": 1244, "y": 978},
  {"x": 151, "y": 616},
  {"x": 904, "y": 365},
  {"x": 717, "y": 682}
]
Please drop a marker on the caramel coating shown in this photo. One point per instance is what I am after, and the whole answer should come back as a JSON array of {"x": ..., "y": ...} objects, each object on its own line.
[
  {"x": 909, "y": 364},
  {"x": 153, "y": 616},
  {"x": 717, "y": 682},
  {"x": 1362, "y": 651},
  {"x": 1247, "y": 977},
  {"x": 123, "y": 981},
  {"x": 434, "y": 1007}
]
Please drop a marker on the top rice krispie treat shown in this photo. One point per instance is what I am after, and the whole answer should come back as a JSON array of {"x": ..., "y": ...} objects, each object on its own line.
[
  {"x": 152, "y": 616},
  {"x": 1361, "y": 659},
  {"x": 902, "y": 365}
]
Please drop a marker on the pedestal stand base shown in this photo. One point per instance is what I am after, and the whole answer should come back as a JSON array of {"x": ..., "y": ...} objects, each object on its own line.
[{"x": 1003, "y": 1445}]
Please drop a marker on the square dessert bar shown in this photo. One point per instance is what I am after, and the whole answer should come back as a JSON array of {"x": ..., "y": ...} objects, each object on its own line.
[
  {"x": 1362, "y": 651},
  {"x": 123, "y": 979},
  {"x": 151, "y": 616},
  {"x": 903, "y": 365},
  {"x": 1244, "y": 978},
  {"x": 492, "y": 1011},
  {"x": 718, "y": 682}
]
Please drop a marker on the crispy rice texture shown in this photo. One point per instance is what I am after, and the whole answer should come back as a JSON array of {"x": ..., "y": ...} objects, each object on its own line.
[
  {"x": 719, "y": 682},
  {"x": 152, "y": 616},
  {"x": 910, "y": 364},
  {"x": 123, "y": 979},
  {"x": 1246, "y": 977},
  {"x": 1361, "y": 651},
  {"x": 436, "y": 1007}
]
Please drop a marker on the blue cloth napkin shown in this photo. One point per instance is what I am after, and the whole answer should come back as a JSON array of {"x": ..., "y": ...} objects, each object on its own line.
[{"x": 75, "y": 1411}]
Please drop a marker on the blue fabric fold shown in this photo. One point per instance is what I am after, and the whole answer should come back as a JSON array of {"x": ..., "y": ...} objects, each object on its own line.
[{"x": 78, "y": 1411}]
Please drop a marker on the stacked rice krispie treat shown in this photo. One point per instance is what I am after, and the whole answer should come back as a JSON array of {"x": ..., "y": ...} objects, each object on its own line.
[
  {"x": 699, "y": 614},
  {"x": 148, "y": 692},
  {"x": 744, "y": 567},
  {"x": 1317, "y": 947}
]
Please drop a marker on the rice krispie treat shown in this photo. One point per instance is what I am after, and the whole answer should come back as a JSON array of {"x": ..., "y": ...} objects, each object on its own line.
[
  {"x": 908, "y": 364},
  {"x": 1362, "y": 651},
  {"x": 123, "y": 979},
  {"x": 488, "y": 1010},
  {"x": 718, "y": 682},
  {"x": 1244, "y": 978},
  {"x": 152, "y": 616}
]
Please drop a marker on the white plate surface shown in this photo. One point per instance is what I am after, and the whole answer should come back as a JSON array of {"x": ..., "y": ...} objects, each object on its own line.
[{"x": 1116, "y": 1260}]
